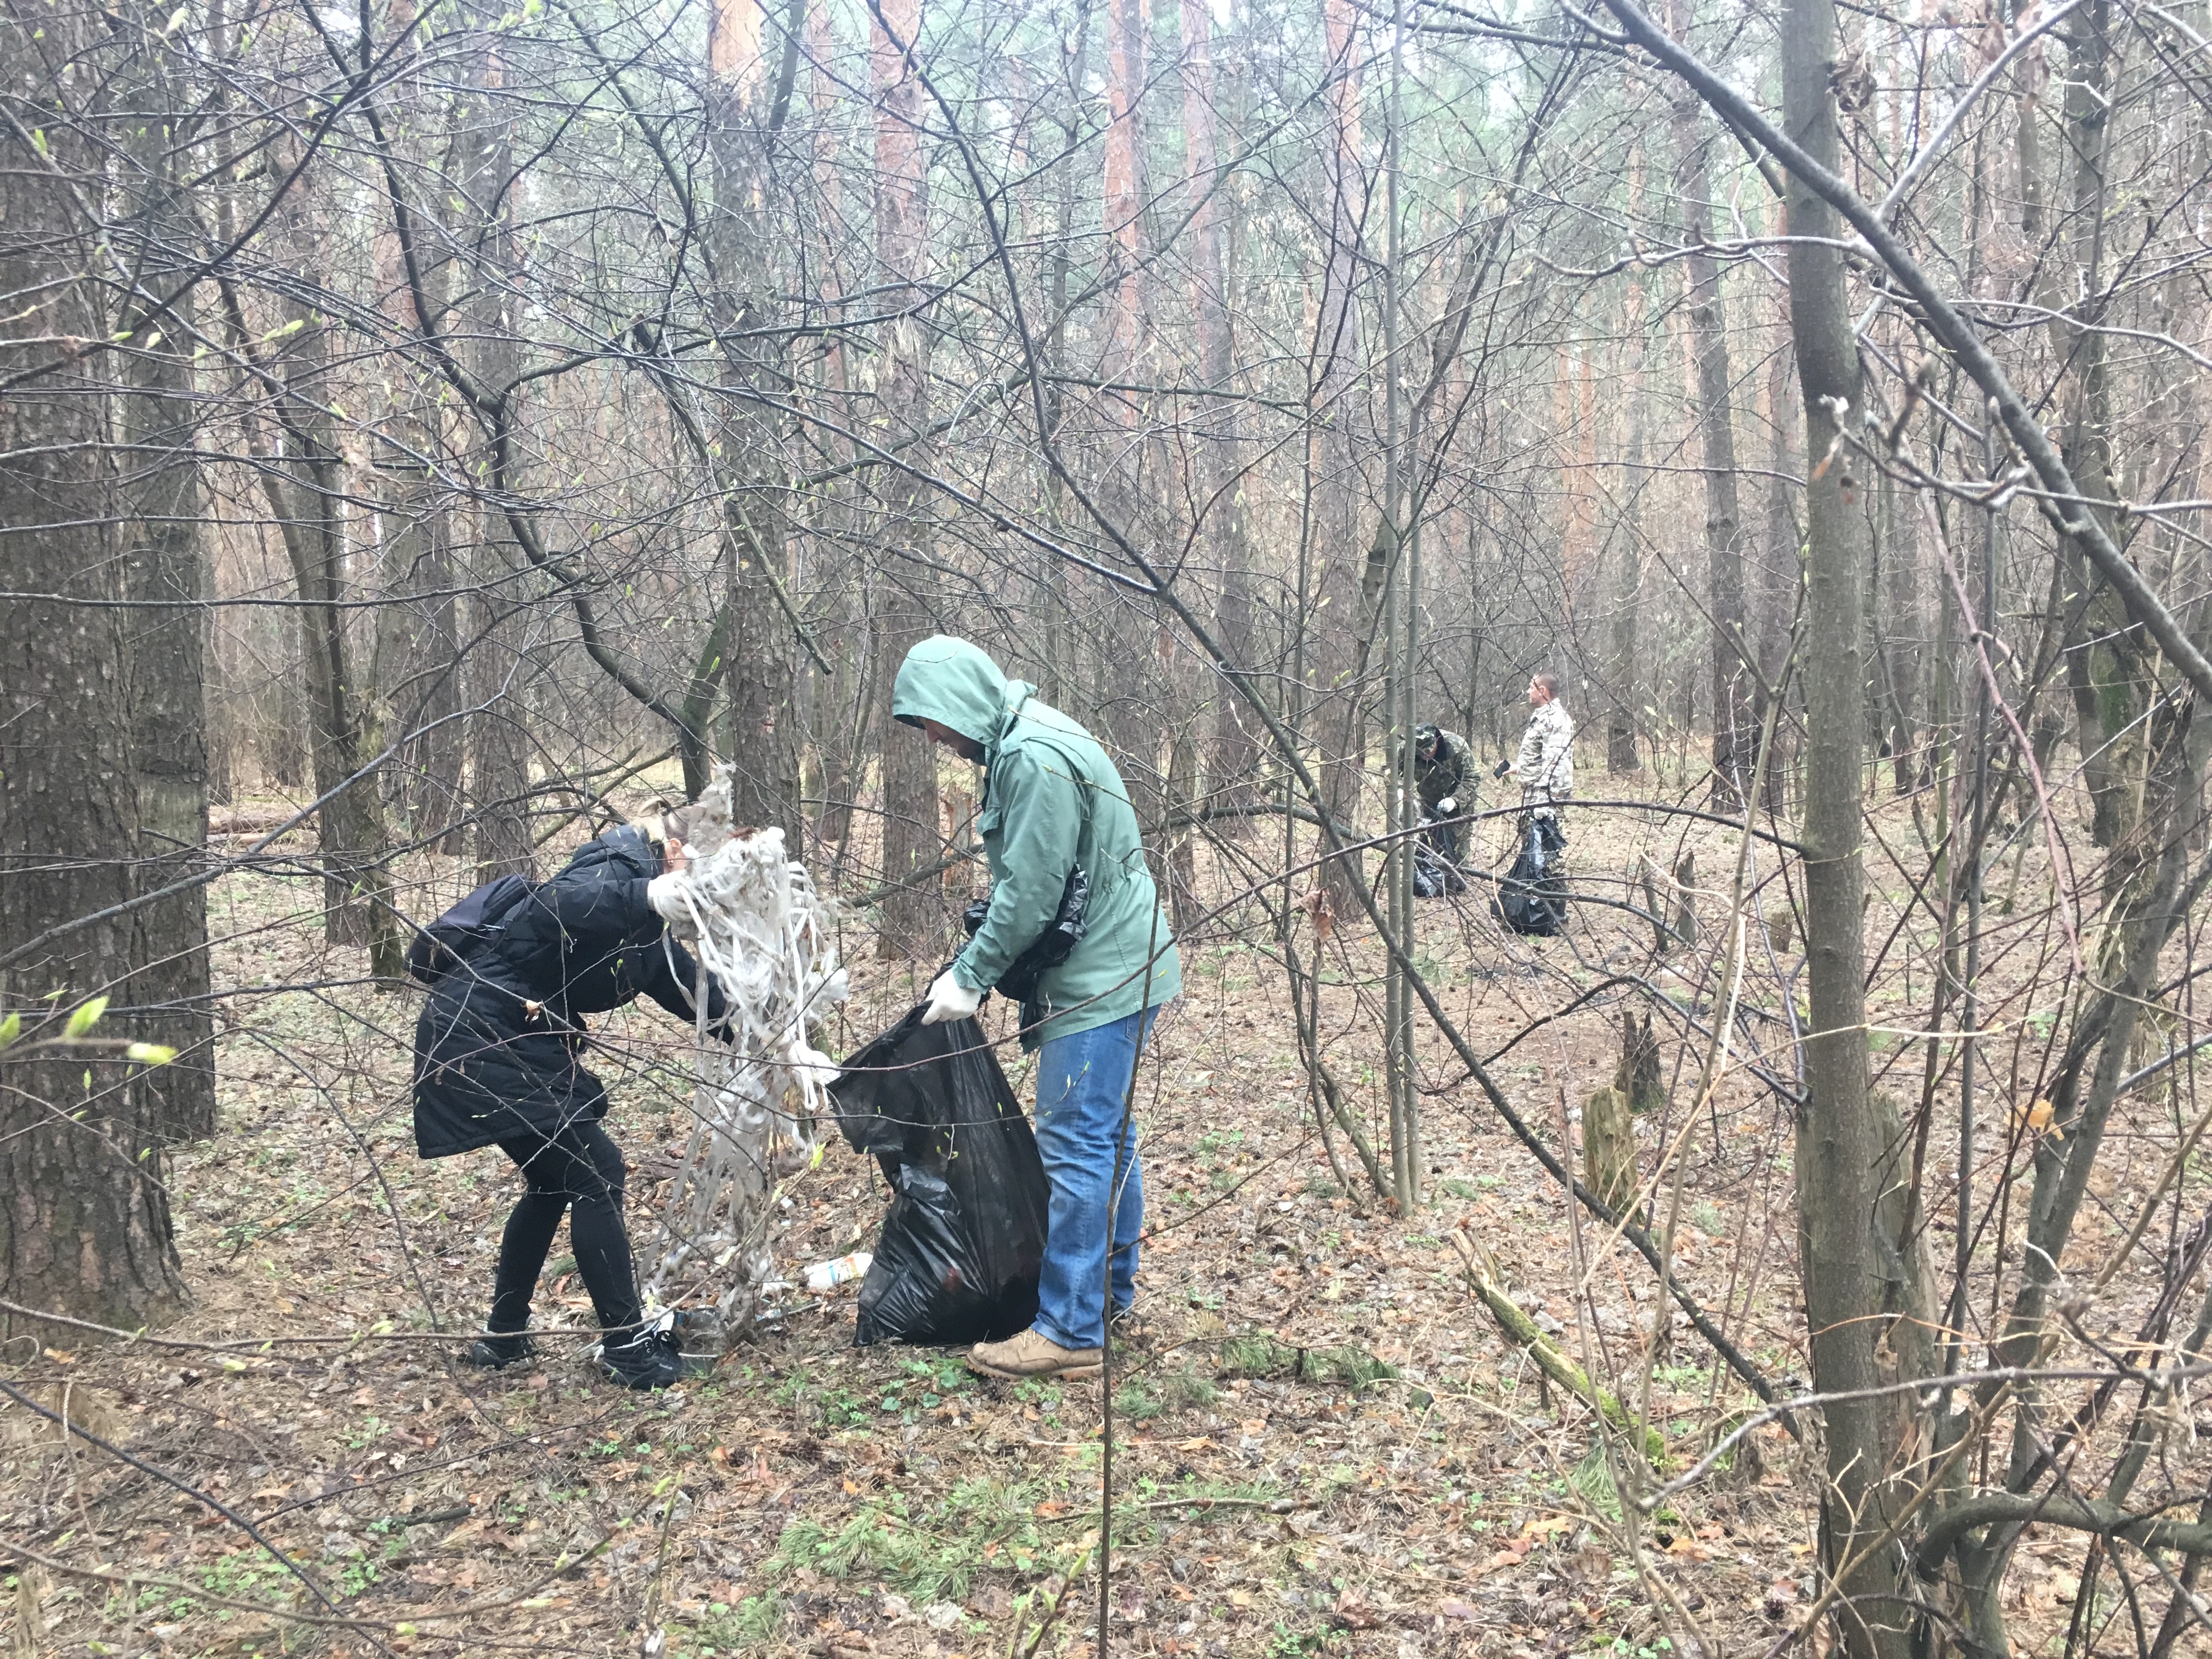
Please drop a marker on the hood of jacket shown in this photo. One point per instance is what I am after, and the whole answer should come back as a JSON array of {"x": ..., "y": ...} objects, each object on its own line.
[
  {"x": 625, "y": 847},
  {"x": 958, "y": 685}
]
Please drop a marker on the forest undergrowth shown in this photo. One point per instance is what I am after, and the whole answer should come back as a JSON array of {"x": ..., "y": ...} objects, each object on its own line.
[{"x": 1322, "y": 1442}]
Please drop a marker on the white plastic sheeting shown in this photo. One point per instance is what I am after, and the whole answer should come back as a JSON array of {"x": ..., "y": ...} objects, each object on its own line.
[{"x": 752, "y": 918}]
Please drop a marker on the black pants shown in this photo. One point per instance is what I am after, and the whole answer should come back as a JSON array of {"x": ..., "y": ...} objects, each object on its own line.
[{"x": 577, "y": 1172}]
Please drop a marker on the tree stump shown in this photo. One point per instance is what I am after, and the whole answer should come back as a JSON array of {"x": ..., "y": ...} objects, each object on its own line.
[
  {"x": 1609, "y": 1149},
  {"x": 1686, "y": 882},
  {"x": 1638, "y": 1077}
]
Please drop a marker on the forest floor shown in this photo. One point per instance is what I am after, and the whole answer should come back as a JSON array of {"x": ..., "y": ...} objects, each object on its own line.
[{"x": 1321, "y": 1443}]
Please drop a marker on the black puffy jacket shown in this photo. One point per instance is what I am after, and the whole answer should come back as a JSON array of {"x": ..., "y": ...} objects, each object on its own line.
[{"x": 498, "y": 1047}]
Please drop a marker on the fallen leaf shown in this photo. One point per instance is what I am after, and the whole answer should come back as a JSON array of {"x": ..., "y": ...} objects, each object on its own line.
[{"x": 991, "y": 1601}]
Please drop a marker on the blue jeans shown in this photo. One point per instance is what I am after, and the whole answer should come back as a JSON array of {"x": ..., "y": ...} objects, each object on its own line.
[{"x": 1082, "y": 1091}]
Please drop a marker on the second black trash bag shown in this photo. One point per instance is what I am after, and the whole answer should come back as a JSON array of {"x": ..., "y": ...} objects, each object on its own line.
[
  {"x": 964, "y": 1239},
  {"x": 1532, "y": 899}
]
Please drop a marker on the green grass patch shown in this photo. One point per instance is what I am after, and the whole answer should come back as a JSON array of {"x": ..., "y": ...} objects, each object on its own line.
[
  {"x": 932, "y": 1554},
  {"x": 1264, "y": 1357}
]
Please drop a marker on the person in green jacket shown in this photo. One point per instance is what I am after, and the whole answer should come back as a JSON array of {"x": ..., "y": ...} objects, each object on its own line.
[{"x": 1053, "y": 800}]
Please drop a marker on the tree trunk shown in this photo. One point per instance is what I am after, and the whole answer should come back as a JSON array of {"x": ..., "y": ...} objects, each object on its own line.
[
  {"x": 1889, "y": 600},
  {"x": 84, "y": 1216},
  {"x": 166, "y": 645},
  {"x": 840, "y": 730},
  {"x": 306, "y": 485},
  {"x": 1623, "y": 682},
  {"x": 1734, "y": 726},
  {"x": 1781, "y": 573},
  {"x": 1839, "y": 1148},
  {"x": 912, "y": 922},
  {"x": 2106, "y": 670},
  {"x": 502, "y": 661},
  {"x": 417, "y": 667},
  {"x": 498, "y": 665},
  {"x": 1126, "y": 710},
  {"x": 419, "y": 655},
  {"x": 1233, "y": 751},
  {"x": 1337, "y": 721},
  {"x": 747, "y": 107}
]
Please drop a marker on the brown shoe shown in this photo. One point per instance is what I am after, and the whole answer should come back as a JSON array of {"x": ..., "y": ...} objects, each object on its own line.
[{"x": 1031, "y": 1354}]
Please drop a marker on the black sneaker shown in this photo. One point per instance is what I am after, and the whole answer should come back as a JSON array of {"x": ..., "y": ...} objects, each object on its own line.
[
  {"x": 649, "y": 1359},
  {"x": 496, "y": 1351}
]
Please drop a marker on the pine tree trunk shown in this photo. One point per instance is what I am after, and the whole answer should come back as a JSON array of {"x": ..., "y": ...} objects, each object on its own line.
[
  {"x": 1735, "y": 732},
  {"x": 748, "y": 105},
  {"x": 166, "y": 645},
  {"x": 84, "y": 1216},
  {"x": 1233, "y": 749}
]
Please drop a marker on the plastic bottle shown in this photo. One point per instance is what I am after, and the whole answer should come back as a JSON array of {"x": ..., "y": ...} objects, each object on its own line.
[{"x": 827, "y": 1275}]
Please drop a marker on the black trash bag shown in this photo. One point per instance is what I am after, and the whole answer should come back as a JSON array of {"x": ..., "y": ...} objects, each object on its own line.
[
  {"x": 1435, "y": 873},
  {"x": 1532, "y": 899},
  {"x": 963, "y": 1243}
]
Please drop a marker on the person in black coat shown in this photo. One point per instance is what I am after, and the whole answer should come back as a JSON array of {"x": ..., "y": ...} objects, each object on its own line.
[{"x": 499, "y": 1062}]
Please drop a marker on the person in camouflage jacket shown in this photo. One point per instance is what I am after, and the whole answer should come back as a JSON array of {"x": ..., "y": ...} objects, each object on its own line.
[
  {"x": 1444, "y": 771},
  {"x": 1545, "y": 764}
]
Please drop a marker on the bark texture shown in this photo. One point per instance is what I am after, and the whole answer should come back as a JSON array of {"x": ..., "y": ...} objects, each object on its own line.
[
  {"x": 84, "y": 1219},
  {"x": 750, "y": 96},
  {"x": 165, "y": 643}
]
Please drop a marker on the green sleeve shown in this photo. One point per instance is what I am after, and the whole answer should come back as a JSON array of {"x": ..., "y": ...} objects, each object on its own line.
[{"x": 1040, "y": 814}]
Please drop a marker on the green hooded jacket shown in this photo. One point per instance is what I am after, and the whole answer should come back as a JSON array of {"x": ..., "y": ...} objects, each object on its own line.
[{"x": 1052, "y": 800}]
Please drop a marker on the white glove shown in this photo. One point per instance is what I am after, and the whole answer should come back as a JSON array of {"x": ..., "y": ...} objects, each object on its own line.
[
  {"x": 1448, "y": 805},
  {"x": 810, "y": 1064},
  {"x": 666, "y": 895},
  {"x": 950, "y": 999}
]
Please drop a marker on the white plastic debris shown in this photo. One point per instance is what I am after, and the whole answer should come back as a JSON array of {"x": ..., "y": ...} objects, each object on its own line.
[
  {"x": 828, "y": 1275},
  {"x": 757, "y": 927}
]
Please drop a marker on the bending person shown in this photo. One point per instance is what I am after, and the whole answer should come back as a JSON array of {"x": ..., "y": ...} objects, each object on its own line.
[
  {"x": 1053, "y": 801},
  {"x": 498, "y": 1063},
  {"x": 1445, "y": 770}
]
